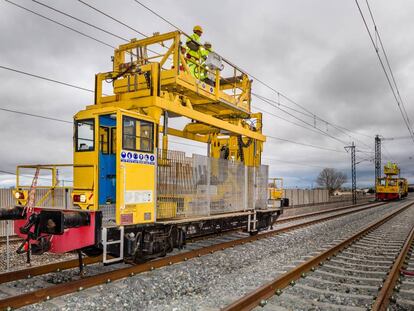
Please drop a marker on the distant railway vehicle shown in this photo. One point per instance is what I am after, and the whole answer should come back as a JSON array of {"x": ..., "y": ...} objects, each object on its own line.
[
  {"x": 275, "y": 197},
  {"x": 134, "y": 198},
  {"x": 391, "y": 187}
]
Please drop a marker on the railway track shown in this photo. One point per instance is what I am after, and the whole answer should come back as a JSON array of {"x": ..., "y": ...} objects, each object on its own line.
[
  {"x": 196, "y": 249},
  {"x": 357, "y": 273},
  {"x": 194, "y": 244},
  {"x": 398, "y": 289}
]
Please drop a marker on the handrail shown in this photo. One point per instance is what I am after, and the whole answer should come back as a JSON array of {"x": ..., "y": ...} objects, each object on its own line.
[
  {"x": 54, "y": 178},
  {"x": 234, "y": 90}
]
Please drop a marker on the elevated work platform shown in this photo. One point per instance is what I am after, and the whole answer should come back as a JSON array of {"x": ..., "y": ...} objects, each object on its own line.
[{"x": 138, "y": 76}]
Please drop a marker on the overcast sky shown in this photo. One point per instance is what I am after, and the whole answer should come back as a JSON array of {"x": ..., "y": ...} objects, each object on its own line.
[{"x": 316, "y": 52}]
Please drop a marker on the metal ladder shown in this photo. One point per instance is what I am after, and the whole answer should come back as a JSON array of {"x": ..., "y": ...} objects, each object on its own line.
[
  {"x": 252, "y": 222},
  {"x": 105, "y": 244}
]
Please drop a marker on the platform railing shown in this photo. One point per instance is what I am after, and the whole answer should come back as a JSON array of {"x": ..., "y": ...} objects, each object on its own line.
[
  {"x": 52, "y": 179},
  {"x": 134, "y": 72}
]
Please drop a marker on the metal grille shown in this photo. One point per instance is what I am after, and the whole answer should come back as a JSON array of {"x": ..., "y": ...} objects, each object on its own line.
[
  {"x": 108, "y": 214},
  {"x": 203, "y": 186}
]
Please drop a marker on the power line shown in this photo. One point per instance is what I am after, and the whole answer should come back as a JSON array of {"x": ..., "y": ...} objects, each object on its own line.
[
  {"x": 87, "y": 23},
  {"x": 305, "y": 122},
  {"x": 52, "y": 80},
  {"x": 180, "y": 143},
  {"x": 99, "y": 28},
  {"x": 304, "y": 144},
  {"x": 293, "y": 163},
  {"x": 113, "y": 18},
  {"x": 252, "y": 76},
  {"x": 35, "y": 115},
  {"x": 405, "y": 118},
  {"x": 88, "y": 90},
  {"x": 387, "y": 61},
  {"x": 47, "y": 79},
  {"x": 276, "y": 104},
  {"x": 80, "y": 20},
  {"x": 284, "y": 119},
  {"x": 30, "y": 176},
  {"x": 60, "y": 24},
  {"x": 155, "y": 13}
]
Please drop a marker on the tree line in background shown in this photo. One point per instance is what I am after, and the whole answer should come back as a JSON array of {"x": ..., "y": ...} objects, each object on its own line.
[{"x": 331, "y": 179}]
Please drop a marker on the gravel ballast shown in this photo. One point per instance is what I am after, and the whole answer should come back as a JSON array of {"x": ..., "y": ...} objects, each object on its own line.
[{"x": 211, "y": 282}]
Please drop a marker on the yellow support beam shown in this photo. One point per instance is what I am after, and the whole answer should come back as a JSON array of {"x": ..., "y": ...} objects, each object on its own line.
[
  {"x": 207, "y": 119},
  {"x": 183, "y": 134}
]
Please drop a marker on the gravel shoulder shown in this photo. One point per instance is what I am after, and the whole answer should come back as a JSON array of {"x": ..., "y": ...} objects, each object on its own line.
[{"x": 210, "y": 282}]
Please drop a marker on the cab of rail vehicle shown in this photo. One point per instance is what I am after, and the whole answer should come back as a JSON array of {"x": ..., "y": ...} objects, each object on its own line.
[{"x": 391, "y": 186}]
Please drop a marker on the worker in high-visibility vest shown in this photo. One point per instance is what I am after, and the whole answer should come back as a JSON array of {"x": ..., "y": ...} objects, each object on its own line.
[{"x": 194, "y": 51}]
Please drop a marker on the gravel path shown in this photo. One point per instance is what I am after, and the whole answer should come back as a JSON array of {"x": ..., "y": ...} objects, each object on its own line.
[{"x": 211, "y": 282}]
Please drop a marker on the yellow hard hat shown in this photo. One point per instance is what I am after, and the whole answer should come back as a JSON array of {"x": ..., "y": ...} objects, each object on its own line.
[{"x": 197, "y": 28}]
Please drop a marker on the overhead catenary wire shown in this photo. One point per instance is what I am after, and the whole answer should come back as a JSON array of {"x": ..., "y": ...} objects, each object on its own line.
[
  {"x": 276, "y": 105},
  {"x": 30, "y": 176},
  {"x": 279, "y": 94},
  {"x": 291, "y": 162},
  {"x": 388, "y": 62},
  {"x": 305, "y": 144},
  {"x": 89, "y": 90},
  {"x": 80, "y": 20},
  {"x": 276, "y": 138},
  {"x": 87, "y": 23},
  {"x": 60, "y": 24},
  {"x": 35, "y": 115},
  {"x": 399, "y": 104},
  {"x": 47, "y": 79},
  {"x": 126, "y": 25},
  {"x": 185, "y": 144},
  {"x": 305, "y": 122},
  {"x": 101, "y": 29},
  {"x": 113, "y": 18}
]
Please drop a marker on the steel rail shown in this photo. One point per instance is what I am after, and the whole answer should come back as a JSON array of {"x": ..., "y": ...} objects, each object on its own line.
[
  {"x": 261, "y": 294},
  {"x": 70, "y": 264},
  {"x": 285, "y": 219},
  {"x": 44, "y": 269},
  {"x": 383, "y": 298},
  {"x": 106, "y": 277}
]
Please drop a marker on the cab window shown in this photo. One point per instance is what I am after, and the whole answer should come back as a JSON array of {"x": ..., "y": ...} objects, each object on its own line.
[
  {"x": 138, "y": 135},
  {"x": 84, "y": 135}
]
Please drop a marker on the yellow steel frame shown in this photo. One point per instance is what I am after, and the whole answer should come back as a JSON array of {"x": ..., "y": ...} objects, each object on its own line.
[
  {"x": 148, "y": 87},
  {"x": 53, "y": 168}
]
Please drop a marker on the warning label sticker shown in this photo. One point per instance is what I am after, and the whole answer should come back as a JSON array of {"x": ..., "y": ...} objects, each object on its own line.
[
  {"x": 137, "y": 157},
  {"x": 138, "y": 196}
]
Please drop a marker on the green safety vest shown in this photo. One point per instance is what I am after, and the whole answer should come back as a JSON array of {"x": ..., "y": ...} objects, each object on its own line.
[
  {"x": 196, "y": 54},
  {"x": 204, "y": 52}
]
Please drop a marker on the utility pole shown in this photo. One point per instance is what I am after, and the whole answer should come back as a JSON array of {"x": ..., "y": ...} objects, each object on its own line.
[
  {"x": 353, "y": 171},
  {"x": 377, "y": 158}
]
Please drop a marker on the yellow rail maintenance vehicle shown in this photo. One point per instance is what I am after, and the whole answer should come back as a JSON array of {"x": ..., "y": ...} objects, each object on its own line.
[
  {"x": 391, "y": 187},
  {"x": 276, "y": 191},
  {"x": 134, "y": 198}
]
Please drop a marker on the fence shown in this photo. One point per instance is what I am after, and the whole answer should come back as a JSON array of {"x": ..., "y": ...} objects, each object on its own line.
[
  {"x": 302, "y": 197},
  {"x": 202, "y": 186}
]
